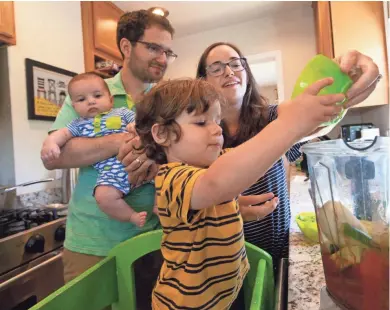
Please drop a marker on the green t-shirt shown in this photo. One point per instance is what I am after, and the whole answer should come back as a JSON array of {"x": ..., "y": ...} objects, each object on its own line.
[{"x": 88, "y": 229}]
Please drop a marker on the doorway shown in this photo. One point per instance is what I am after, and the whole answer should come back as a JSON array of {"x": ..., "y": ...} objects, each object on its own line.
[{"x": 268, "y": 72}]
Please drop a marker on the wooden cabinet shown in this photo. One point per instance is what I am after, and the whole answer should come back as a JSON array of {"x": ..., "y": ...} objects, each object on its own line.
[
  {"x": 7, "y": 23},
  {"x": 359, "y": 25},
  {"x": 99, "y": 21},
  {"x": 105, "y": 20},
  {"x": 323, "y": 28}
]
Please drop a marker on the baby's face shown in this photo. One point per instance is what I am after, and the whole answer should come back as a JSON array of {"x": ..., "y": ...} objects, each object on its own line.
[{"x": 90, "y": 97}]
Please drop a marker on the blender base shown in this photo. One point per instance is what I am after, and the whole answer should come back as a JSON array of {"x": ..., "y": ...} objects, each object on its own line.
[{"x": 326, "y": 302}]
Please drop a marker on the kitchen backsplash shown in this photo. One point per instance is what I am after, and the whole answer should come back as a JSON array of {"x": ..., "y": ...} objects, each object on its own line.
[
  {"x": 378, "y": 115},
  {"x": 52, "y": 195}
]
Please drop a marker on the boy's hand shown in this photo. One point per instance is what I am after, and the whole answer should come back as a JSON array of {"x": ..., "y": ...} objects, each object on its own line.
[
  {"x": 307, "y": 111},
  {"x": 50, "y": 151}
]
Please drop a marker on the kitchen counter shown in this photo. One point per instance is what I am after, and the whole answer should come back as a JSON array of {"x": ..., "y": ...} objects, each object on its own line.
[{"x": 306, "y": 275}]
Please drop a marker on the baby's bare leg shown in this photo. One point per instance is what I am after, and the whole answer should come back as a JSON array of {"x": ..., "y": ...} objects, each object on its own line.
[{"x": 111, "y": 202}]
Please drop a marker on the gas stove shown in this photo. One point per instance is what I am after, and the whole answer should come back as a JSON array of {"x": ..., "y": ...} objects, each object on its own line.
[
  {"x": 17, "y": 220},
  {"x": 26, "y": 234}
]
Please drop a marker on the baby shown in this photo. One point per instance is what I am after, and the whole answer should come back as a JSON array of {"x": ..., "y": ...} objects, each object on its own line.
[{"x": 91, "y": 99}]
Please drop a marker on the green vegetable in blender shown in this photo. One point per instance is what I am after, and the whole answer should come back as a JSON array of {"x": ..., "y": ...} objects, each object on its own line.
[{"x": 359, "y": 235}]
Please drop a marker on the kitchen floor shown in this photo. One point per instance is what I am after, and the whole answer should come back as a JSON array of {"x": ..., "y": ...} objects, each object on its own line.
[{"x": 300, "y": 200}]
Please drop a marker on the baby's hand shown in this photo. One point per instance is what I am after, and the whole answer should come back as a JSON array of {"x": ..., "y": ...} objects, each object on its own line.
[
  {"x": 306, "y": 112},
  {"x": 50, "y": 151}
]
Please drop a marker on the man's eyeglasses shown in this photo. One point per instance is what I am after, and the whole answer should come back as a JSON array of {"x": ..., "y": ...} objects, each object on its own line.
[
  {"x": 156, "y": 50},
  {"x": 218, "y": 68}
]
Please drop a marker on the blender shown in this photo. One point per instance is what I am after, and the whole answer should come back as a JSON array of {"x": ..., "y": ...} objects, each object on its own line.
[{"x": 350, "y": 191}]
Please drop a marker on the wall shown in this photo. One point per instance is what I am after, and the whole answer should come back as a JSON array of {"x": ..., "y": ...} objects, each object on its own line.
[
  {"x": 7, "y": 164},
  {"x": 269, "y": 92},
  {"x": 49, "y": 32},
  {"x": 291, "y": 32}
]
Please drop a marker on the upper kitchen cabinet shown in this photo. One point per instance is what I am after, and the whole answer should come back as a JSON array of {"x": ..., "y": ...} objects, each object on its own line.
[
  {"x": 7, "y": 23},
  {"x": 99, "y": 20},
  {"x": 323, "y": 26},
  {"x": 359, "y": 25}
]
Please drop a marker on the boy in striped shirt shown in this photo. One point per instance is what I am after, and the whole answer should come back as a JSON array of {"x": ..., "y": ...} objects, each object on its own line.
[{"x": 203, "y": 246}]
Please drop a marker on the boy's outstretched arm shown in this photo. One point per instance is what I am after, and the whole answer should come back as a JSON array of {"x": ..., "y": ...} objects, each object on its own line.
[{"x": 236, "y": 170}]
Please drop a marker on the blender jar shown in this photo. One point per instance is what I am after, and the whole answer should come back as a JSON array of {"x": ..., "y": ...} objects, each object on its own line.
[{"x": 350, "y": 190}]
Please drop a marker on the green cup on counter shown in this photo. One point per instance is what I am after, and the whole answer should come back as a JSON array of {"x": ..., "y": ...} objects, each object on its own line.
[
  {"x": 318, "y": 68},
  {"x": 308, "y": 225}
]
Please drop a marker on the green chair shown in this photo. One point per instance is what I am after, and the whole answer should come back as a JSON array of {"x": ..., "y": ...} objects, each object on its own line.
[{"x": 111, "y": 281}]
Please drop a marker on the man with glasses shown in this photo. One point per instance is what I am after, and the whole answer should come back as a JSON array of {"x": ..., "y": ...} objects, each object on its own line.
[{"x": 144, "y": 40}]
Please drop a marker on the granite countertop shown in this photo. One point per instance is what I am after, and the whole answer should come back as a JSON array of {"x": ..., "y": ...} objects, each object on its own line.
[{"x": 306, "y": 275}]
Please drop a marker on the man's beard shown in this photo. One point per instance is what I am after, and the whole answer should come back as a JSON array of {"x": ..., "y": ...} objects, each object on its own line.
[{"x": 142, "y": 73}]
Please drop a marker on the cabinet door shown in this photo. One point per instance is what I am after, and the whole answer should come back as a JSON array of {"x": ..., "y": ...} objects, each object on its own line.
[
  {"x": 7, "y": 22},
  {"x": 323, "y": 27},
  {"x": 362, "y": 29},
  {"x": 105, "y": 19}
]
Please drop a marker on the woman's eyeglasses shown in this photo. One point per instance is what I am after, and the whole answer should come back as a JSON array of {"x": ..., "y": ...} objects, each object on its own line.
[
  {"x": 156, "y": 50},
  {"x": 218, "y": 68}
]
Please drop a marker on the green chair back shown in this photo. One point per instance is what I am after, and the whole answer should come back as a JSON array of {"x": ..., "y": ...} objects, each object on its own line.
[{"x": 111, "y": 281}]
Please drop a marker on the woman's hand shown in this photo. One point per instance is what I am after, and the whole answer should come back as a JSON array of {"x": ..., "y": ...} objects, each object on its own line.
[
  {"x": 138, "y": 166},
  {"x": 363, "y": 71},
  {"x": 252, "y": 211}
]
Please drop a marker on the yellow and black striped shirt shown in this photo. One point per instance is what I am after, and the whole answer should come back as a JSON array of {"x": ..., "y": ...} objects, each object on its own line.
[{"x": 204, "y": 253}]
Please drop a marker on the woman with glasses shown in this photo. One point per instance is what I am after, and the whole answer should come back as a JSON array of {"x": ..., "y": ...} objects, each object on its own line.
[{"x": 247, "y": 113}]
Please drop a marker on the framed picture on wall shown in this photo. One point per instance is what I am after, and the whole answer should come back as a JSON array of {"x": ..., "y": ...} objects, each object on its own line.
[{"x": 47, "y": 88}]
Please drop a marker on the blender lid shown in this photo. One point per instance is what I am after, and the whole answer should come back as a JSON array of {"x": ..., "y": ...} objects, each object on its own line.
[{"x": 338, "y": 147}]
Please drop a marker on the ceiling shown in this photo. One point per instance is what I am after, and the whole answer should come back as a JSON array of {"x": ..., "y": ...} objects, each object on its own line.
[{"x": 189, "y": 17}]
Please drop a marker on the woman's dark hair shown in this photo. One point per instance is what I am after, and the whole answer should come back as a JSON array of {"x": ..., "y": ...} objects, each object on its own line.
[
  {"x": 164, "y": 103},
  {"x": 254, "y": 109}
]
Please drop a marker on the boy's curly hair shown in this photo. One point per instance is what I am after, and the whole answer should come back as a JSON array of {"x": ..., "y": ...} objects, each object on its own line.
[{"x": 164, "y": 103}]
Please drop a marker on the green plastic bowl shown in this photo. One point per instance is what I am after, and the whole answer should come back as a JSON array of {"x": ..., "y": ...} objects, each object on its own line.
[
  {"x": 307, "y": 224},
  {"x": 318, "y": 68}
]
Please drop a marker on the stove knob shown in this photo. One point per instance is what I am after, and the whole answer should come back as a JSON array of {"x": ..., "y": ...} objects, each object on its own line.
[
  {"x": 59, "y": 234},
  {"x": 36, "y": 244}
]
